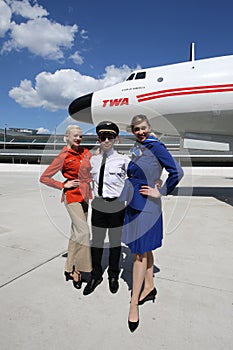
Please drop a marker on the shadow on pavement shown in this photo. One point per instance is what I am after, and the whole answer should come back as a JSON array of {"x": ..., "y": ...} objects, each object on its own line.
[{"x": 224, "y": 194}]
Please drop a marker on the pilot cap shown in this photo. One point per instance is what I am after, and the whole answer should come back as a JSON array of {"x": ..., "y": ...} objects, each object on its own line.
[{"x": 108, "y": 127}]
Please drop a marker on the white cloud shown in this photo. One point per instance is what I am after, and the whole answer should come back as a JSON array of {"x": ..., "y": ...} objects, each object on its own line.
[
  {"x": 56, "y": 91},
  {"x": 40, "y": 35},
  {"x": 83, "y": 34},
  {"x": 77, "y": 58},
  {"x": 26, "y": 10},
  {"x": 25, "y": 95},
  {"x": 43, "y": 131},
  {"x": 5, "y": 18}
]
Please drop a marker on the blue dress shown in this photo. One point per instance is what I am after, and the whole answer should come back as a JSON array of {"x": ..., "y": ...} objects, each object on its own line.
[{"x": 143, "y": 223}]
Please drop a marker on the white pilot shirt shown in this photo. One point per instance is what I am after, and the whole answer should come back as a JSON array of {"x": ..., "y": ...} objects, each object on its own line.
[{"x": 114, "y": 173}]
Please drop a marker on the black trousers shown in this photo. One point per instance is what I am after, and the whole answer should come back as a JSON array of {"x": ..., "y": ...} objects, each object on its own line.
[{"x": 107, "y": 215}]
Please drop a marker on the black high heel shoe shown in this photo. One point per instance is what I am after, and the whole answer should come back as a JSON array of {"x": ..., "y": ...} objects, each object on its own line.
[
  {"x": 133, "y": 325},
  {"x": 68, "y": 276},
  {"x": 148, "y": 297},
  {"x": 76, "y": 284}
]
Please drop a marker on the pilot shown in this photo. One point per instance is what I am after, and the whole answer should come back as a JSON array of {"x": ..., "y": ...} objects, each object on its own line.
[{"x": 108, "y": 172}]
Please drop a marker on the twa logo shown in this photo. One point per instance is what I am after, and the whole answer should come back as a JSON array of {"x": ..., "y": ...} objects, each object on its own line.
[{"x": 116, "y": 102}]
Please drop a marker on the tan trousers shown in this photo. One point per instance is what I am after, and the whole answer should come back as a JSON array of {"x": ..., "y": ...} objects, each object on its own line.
[{"x": 79, "y": 254}]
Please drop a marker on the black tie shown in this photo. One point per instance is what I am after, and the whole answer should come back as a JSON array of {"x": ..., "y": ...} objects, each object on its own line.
[{"x": 101, "y": 175}]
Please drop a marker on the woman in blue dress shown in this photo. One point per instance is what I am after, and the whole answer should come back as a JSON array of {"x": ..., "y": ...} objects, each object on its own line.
[{"x": 143, "y": 226}]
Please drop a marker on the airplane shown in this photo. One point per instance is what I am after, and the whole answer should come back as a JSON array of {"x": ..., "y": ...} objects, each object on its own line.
[{"x": 192, "y": 100}]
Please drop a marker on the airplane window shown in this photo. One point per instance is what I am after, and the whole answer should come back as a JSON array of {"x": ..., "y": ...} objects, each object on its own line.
[
  {"x": 159, "y": 80},
  {"x": 131, "y": 77},
  {"x": 140, "y": 75}
]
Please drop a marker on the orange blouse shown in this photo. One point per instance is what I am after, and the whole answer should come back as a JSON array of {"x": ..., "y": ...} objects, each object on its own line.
[{"x": 74, "y": 165}]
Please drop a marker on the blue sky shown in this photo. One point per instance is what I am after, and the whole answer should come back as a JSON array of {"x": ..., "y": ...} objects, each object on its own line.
[{"x": 52, "y": 52}]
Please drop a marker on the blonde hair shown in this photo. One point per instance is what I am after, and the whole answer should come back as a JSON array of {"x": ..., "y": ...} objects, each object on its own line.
[
  {"x": 137, "y": 119},
  {"x": 69, "y": 129}
]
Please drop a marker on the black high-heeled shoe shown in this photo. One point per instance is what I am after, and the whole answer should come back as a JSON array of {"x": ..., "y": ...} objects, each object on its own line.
[
  {"x": 78, "y": 284},
  {"x": 133, "y": 325},
  {"x": 68, "y": 276},
  {"x": 148, "y": 297}
]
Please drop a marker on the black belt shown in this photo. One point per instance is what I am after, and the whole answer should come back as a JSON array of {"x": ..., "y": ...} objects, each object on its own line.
[{"x": 109, "y": 199}]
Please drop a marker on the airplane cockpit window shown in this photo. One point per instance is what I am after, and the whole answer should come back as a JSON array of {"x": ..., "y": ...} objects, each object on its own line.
[
  {"x": 140, "y": 75},
  {"x": 131, "y": 76}
]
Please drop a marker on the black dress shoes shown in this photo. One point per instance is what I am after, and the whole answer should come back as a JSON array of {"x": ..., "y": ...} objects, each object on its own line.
[
  {"x": 91, "y": 285},
  {"x": 113, "y": 284}
]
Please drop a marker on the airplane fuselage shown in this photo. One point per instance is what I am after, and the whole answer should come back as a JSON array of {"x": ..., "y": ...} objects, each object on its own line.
[{"x": 189, "y": 97}]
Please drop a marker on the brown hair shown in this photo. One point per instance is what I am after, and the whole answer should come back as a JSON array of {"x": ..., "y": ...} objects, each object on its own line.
[{"x": 137, "y": 119}]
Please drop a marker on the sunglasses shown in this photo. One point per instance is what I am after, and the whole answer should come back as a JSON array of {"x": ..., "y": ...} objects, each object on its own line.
[{"x": 104, "y": 137}]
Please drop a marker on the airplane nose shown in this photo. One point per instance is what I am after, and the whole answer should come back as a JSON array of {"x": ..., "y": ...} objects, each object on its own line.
[{"x": 80, "y": 108}]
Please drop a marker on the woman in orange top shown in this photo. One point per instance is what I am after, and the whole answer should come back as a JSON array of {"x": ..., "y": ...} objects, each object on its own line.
[{"x": 74, "y": 163}]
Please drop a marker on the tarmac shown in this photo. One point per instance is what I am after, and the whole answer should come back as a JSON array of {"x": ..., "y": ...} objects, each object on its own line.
[{"x": 193, "y": 272}]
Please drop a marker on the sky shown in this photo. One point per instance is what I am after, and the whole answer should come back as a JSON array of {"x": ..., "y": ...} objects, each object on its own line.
[{"x": 52, "y": 52}]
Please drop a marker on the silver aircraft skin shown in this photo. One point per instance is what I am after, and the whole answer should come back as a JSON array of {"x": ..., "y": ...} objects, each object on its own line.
[{"x": 190, "y": 99}]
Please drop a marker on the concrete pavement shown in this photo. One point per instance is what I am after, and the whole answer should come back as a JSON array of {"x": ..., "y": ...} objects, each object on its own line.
[{"x": 193, "y": 272}]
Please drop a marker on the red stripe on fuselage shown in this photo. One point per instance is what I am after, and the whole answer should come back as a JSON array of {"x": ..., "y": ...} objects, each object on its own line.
[{"x": 185, "y": 91}]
